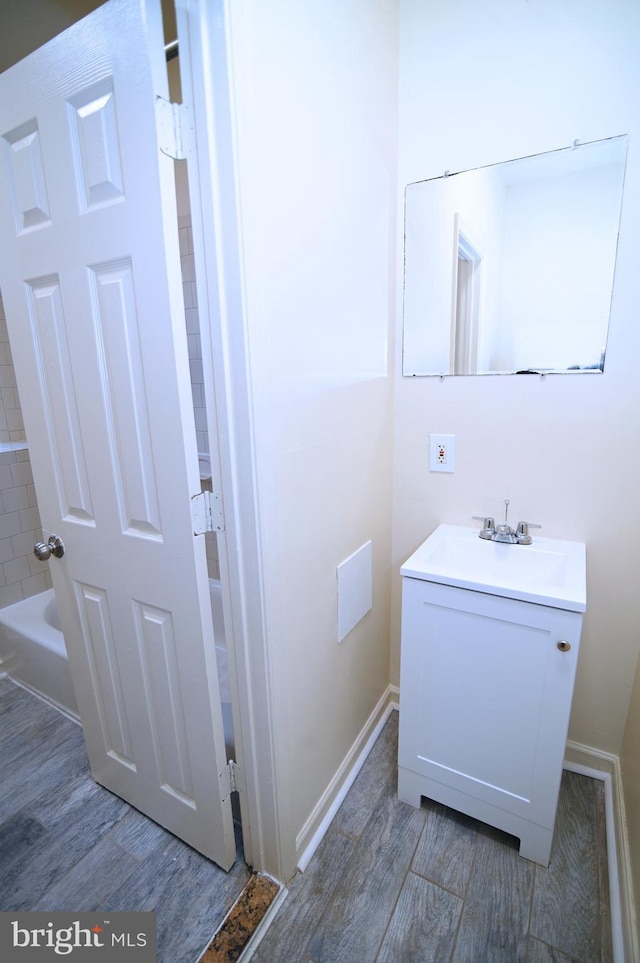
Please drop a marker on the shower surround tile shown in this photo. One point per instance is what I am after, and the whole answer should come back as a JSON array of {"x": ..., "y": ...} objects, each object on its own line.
[{"x": 20, "y": 525}]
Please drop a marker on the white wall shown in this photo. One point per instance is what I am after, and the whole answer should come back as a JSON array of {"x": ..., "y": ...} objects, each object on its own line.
[
  {"x": 314, "y": 93},
  {"x": 480, "y": 83}
]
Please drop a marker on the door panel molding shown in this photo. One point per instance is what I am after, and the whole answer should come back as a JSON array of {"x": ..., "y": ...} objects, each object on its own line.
[{"x": 60, "y": 401}]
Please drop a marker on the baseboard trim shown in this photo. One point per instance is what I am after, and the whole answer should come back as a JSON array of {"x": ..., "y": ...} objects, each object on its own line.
[
  {"x": 71, "y": 716},
  {"x": 606, "y": 766},
  {"x": 311, "y": 834}
]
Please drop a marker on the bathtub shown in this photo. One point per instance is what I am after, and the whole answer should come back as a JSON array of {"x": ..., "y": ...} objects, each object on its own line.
[{"x": 32, "y": 651}]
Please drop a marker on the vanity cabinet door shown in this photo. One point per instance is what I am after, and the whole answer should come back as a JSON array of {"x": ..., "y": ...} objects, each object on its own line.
[{"x": 485, "y": 698}]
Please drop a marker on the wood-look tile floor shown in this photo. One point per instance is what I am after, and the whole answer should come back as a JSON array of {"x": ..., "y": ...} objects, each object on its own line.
[
  {"x": 68, "y": 844},
  {"x": 393, "y": 884}
]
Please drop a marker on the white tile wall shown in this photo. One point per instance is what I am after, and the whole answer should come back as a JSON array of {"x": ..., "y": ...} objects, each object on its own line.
[{"x": 21, "y": 574}]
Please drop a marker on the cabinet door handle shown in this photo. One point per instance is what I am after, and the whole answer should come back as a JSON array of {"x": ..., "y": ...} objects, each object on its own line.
[{"x": 564, "y": 646}]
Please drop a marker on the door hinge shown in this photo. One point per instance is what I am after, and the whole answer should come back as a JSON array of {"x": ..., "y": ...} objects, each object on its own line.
[
  {"x": 229, "y": 778},
  {"x": 206, "y": 513},
  {"x": 175, "y": 129}
]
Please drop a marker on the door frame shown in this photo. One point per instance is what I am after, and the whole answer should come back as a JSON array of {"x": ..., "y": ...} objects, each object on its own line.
[{"x": 206, "y": 78}]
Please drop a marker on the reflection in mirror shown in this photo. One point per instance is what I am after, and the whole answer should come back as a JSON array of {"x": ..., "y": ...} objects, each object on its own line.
[{"x": 509, "y": 268}]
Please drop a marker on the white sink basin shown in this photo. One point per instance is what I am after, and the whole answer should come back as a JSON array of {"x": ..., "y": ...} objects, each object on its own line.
[{"x": 549, "y": 571}]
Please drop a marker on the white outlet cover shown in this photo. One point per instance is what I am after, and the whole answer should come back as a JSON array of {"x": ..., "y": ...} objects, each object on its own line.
[{"x": 449, "y": 442}]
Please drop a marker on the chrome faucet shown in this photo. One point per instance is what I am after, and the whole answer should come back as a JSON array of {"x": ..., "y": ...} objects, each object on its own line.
[{"x": 504, "y": 532}]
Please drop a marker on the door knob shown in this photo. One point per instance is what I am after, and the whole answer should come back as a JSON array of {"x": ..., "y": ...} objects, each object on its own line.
[
  {"x": 54, "y": 546},
  {"x": 564, "y": 646}
]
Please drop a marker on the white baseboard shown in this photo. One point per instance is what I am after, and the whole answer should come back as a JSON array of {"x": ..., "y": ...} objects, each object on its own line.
[
  {"x": 606, "y": 766},
  {"x": 310, "y": 836}
]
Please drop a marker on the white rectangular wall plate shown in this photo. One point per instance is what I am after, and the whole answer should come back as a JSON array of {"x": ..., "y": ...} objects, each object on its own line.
[
  {"x": 442, "y": 453},
  {"x": 355, "y": 596}
]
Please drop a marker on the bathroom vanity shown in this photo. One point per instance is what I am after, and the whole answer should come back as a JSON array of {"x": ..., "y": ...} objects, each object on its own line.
[{"x": 490, "y": 642}]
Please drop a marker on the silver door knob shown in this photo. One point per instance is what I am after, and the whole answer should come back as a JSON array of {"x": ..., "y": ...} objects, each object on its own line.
[
  {"x": 564, "y": 646},
  {"x": 44, "y": 550}
]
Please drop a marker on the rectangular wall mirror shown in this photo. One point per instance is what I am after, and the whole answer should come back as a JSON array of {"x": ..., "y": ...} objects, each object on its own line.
[{"x": 509, "y": 268}]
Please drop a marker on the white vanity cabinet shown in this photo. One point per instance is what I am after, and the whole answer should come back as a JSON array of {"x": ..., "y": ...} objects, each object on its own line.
[{"x": 485, "y": 696}]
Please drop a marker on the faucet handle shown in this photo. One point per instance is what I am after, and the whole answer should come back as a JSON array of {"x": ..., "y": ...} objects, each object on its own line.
[
  {"x": 522, "y": 532},
  {"x": 488, "y": 525}
]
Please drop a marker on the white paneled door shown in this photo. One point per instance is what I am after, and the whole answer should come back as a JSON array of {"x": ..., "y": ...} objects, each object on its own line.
[{"x": 90, "y": 277}]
